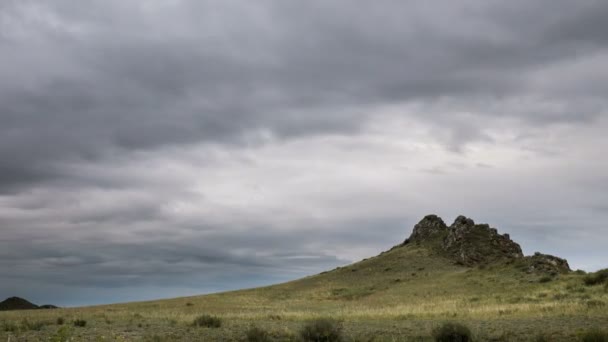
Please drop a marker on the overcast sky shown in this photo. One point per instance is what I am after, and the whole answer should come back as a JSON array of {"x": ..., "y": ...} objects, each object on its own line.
[{"x": 159, "y": 148}]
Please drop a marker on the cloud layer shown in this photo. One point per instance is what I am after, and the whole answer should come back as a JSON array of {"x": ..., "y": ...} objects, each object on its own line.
[{"x": 159, "y": 148}]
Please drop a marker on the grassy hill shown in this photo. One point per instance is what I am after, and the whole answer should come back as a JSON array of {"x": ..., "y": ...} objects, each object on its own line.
[{"x": 464, "y": 273}]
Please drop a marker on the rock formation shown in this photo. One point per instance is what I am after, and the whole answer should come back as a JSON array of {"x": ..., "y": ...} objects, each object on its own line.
[{"x": 471, "y": 244}]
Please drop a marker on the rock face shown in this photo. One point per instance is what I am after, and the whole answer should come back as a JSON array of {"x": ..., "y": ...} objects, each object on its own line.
[
  {"x": 429, "y": 227},
  {"x": 473, "y": 244},
  {"x": 544, "y": 263}
]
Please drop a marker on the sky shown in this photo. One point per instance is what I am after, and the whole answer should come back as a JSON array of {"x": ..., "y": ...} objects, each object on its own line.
[{"x": 162, "y": 148}]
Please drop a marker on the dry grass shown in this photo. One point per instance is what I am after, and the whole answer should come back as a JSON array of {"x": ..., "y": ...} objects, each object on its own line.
[{"x": 404, "y": 293}]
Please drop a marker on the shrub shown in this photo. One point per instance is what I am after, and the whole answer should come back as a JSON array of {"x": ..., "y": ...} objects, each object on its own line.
[
  {"x": 322, "y": 330},
  {"x": 596, "y": 278},
  {"x": 255, "y": 334},
  {"x": 80, "y": 323},
  {"x": 60, "y": 321},
  {"x": 595, "y": 336},
  {"x": 452, "y": 332},
  {"x": 545, "y": 279},
  {"x": 207, "y": 321}
]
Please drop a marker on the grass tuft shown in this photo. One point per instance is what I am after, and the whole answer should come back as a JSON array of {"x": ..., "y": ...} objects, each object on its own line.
[
  {"x": 452, "y": 332},
  {"x": 256, "y": 334},
  {"x": 207, "y": 321},
  {"x": 322, "y": 330},
  {"x": 81, "y": 323}
]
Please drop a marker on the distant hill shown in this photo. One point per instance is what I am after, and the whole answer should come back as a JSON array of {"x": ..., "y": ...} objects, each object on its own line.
[{"x": 16, "y": 303}]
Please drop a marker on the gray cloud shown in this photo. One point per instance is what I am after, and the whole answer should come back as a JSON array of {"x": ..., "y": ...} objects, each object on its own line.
[{"x": 156, "y": 131}]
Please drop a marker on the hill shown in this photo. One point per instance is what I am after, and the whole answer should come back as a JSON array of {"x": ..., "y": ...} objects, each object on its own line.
[
  {"x": 465, "y": 272},
  {"x": 16, "y": 303}
]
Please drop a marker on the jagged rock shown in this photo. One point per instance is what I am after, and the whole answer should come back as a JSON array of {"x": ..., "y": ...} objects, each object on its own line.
[
  {"x": 430, "y": 226},
  {"x": 544, "y": 263},
  {"x": 471, "y": 244}
]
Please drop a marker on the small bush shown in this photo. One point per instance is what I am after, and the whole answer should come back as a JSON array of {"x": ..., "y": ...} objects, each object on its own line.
[
  {"x": 81, "y": 323},
  {"x": 596, "y": 278},
  {"x": 207, "y": 321},
  {"x": 322, "y": 330},
  {"x": 452, "y": 332},
  {"x": 255, "y": 334},
  {"x": 60, "y": 321},
  {"x": 595, "y": 336},
  {"x": 545, "y": 279}
]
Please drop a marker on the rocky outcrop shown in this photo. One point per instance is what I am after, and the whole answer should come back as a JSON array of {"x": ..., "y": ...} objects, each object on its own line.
[
  {"x": 429, "y": 227},
  {"x": 471, "y": 244},
  {"x": 544, "y": 263}
]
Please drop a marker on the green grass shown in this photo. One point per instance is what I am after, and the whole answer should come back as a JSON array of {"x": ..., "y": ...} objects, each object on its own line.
[{"x": 403, "y": 294}]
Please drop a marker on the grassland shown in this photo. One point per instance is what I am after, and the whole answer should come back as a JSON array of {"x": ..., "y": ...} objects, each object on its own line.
[{"x": 400, "y": 295}]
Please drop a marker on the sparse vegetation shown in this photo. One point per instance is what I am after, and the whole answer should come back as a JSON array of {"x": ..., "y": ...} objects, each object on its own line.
[
  {"x": 382, "y": 300},
  {"x": 207, "y": 321},
  {"x": 452, "y": 332},
  {"x": 10, "y": 326},
  {"x": 62, "y": 334},
  {"x": 26, "y": 324},
  {"x": 597, "y": 278},
  {"x": 322, "y": 330}
]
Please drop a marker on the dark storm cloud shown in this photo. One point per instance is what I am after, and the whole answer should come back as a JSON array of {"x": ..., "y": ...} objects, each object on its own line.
[
  {"x": 83, "y": 81},
  {"x": 137, "y": 137}
]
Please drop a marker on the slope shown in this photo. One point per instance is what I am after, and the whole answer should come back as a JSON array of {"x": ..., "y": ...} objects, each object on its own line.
[{"x": 465, "y": 272}]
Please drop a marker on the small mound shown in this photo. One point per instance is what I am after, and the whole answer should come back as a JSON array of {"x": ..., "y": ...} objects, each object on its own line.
[
  {"x": 545, "y": 263},
  {"x": 48, "y": 306}
]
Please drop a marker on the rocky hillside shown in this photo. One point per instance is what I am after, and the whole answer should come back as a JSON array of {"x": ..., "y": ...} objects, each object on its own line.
[{"x": 471, "y": 244}]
